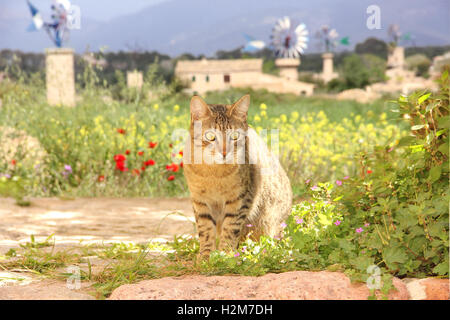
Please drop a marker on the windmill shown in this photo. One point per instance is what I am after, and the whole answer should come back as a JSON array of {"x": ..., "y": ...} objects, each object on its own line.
[
  {"x": 329, "y": 38},
  {"x": 59, "y": 62},
  {"x": 58, "y": 28},
  {"x": 329, "y": 41},
  {"x": 394, "y": 33},
  {"x": 289, "y": 41}
]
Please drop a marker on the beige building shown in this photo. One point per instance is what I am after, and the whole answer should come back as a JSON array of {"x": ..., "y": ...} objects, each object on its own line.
[{"x": 210, "y": 75}]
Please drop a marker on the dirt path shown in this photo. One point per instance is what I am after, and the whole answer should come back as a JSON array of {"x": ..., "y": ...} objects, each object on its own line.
[{"x": 96, "y": 220}]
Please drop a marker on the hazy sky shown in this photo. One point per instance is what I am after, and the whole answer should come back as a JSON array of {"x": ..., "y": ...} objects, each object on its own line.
[
  {"x": 101, "y": 10},
  {"x": 205, "y": 26}
]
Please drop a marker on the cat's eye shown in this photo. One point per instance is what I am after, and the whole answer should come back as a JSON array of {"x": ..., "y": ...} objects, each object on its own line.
[
  {"x": 210, "y": 136},
  {"x": 234, "y": 135}
]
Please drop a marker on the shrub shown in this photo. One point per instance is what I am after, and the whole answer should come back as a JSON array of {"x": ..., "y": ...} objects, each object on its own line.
[
  {"x": 390, "y": 219},
  {"x": 399, "y": 201},
  {"x": 358, "y": 71},
  {"x": 419, "y": 63}
]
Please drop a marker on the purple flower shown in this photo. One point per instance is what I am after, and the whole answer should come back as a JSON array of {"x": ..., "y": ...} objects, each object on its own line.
[
  {"x": 299, "y": 221},
  {"x": 308, "y": 181},
  {"x": 339, "y": 182},
  {"x": 359, "y": 230},
  {"x": 68, "y": 168},
  {"x": 314, "y": 188},
  {"x": 249, "y": 225},
  {"x": 337, "y": 222},
  {"x": 283, "y": 225},
  {"x": 237, "y": 254},
  {"x": 366, "y": 224},
  {"x": 346, "y": 177}
]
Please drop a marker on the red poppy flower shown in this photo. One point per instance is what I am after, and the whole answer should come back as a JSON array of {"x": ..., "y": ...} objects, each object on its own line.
[
  {"x": 121, "y": 131},
  {"x": 170, "y": 145},
  {"x": 13, "y": 162},
  {"x": 181, "y": 164},
  {"x": 180, "y": 153},
  {"x": 151, "y": 145},
  {"x": 172, "y": 167},
  {"x": 150, "y": 162},
  {"x": 136, "y": 172},
  {"x": 101, "y": 178},
  {"x": 141, "y": 153},
  {"x": 119, "y": 158},
  {"x": 121, "y": 166},
  {"x": 143, "y": 168},
  {"x": 369, "y": 171},
  {"x": 127, "y": 152},
  {"x": 170, "y": 178}
]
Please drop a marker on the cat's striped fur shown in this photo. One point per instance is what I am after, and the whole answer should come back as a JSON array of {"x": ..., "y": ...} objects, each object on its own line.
[{"x": 231, "y": 200}]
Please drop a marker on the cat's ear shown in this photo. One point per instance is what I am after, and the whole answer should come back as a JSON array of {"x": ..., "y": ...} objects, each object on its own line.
[
  {"x": 240, "y": 108},
  {"x": 199, "y": 109}
]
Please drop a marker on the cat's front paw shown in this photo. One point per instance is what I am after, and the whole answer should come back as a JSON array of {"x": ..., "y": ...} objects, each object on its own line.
[{"x": 202, "y": 256}]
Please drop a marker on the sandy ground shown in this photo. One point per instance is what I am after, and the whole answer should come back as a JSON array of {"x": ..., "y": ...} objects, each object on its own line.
[
  {"x": 83, "y": 221},
  {"x": 94, "y": 220}
]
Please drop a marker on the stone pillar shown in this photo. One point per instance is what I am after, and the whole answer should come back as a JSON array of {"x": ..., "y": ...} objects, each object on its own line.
[
  {"x": 327, "y": 68},
  {"x": 288, "y": 68},
  {"x": 135, "y": 79},
  {"x": 396, "y": 58},
  {"x": 60, "y": 76}
]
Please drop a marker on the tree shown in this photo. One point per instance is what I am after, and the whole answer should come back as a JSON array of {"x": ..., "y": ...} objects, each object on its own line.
[
  {"x": 373, "y": 46},
  {"x": 375, "y": 66},
  {"x": 354, "y": 72}
]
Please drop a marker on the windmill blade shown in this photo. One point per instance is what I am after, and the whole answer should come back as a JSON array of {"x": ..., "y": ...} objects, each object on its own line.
[
  {"x": 345, "y": 41},
  {"x": 248, "y": 38},
  {"x": 300, "y": 28},
  {"x": 37, "y": 21},
  {"x": 253, "y": 46},
  {"x": 286, "y": 23},
  {"x": 333, "y": 34}
]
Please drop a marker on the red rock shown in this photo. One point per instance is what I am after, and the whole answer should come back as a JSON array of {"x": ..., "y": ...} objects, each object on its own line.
[
  {"x": 297, "y": 285},
  {"x": 428, "y": 289}
]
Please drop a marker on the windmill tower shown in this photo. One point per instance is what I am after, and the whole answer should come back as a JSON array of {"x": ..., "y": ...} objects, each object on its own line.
[
  {"x": 328, "y": 38},
  {"x": 60, "y": 75},
  {"x": 289, "y": 42}
]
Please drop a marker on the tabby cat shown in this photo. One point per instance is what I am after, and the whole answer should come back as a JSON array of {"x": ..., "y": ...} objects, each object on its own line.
[{"x": 237, "y": 186}]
